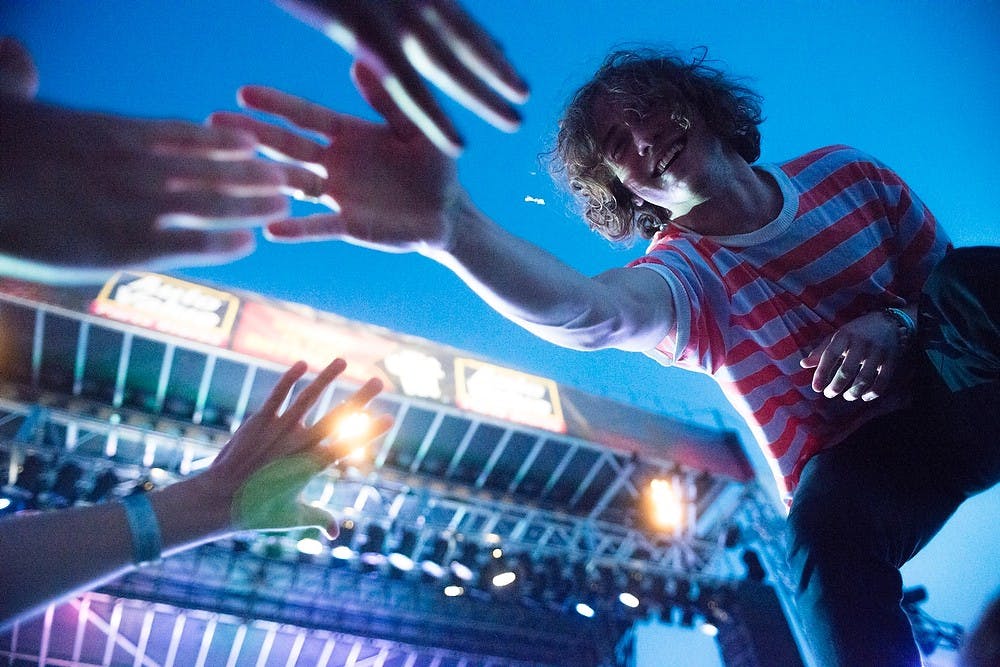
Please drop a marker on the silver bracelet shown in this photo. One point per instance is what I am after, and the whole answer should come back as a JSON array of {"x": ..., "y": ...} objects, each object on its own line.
[
  {"x": 907, "y": 327},
  {"x": 144, "y": 528}
]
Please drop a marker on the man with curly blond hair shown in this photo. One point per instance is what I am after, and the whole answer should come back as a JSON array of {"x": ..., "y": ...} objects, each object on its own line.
[{"x": 820, "y": 293}]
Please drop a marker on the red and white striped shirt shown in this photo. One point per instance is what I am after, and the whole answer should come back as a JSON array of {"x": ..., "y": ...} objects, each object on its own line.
[{"x": 851, "y": 238}]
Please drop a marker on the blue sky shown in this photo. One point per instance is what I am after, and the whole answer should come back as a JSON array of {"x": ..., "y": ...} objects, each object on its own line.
[{"x": 913, "y": 83}]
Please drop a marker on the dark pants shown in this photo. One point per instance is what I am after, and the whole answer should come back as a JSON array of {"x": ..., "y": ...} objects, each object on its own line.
[{"x": 865, "y": 507}]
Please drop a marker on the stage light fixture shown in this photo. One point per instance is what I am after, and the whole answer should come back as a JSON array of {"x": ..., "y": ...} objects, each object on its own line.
[
  {"x": 629, "y": 600},
  {"x": 464, "y": 566},
  {"x": 371, "y": 550},
  {"x": 343, "y": 543},
  {"x": 665, "y": 503},
  {"x": 401, "y": 558},
  {"x": 310, "y": 542},
  {"x": 454, "y": 590},
  {"x": 708, "y": 629},
  {"x": 433, "y": 566},
  {"x": 584, "y": 610}
]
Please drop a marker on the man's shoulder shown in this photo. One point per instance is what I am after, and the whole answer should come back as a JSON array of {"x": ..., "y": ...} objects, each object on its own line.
[{"x": 829, "y": 157}]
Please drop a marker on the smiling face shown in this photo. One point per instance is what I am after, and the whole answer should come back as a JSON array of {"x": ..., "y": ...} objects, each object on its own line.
[{"x": 660, "y": 156}]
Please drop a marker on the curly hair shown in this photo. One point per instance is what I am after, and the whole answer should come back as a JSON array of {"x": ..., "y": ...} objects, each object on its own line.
[{"x": 642, "y": 80}]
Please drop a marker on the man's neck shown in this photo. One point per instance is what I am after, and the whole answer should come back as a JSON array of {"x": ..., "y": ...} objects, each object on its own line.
[{"x": 750, "y": 200}]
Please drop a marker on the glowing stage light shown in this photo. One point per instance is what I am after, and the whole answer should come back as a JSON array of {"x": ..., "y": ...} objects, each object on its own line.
[
  {"x": 708, "y": 629},
  {"x": 667, "y": 509},
  {"x": 629, "y": 600},
  {"x": 584, "y": 609},
  {"x": 309, "y": 546},
  {"x": 342, "y": 552},
  {"x": 4, "y": 503},
  {"x": 504, "y": 579},
  {"x": 453, "y": 591},
  {"x": 354, "y": 426}
]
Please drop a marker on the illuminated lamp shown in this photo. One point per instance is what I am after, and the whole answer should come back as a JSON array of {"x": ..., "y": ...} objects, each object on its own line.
[
  {"x": 629, "y": 599},
  {"x": 371, "y": 551},
  {"x": 433, "y": 566},
  {"x": 454, "y": 590},
  {"x": 10, "y": 503},
  {"x": 584, "y": 609},
  {"x": 499, "y": 573},
  {"x": 343, "y": 543},
  {"x": 631, "y": 590},
  {"x": 665, "y": 505},
  {"x": 401, "y": 558},
  {"x": 465, "y": 566},
  {"x": 709, "y": 629},
  {"x": 311, "y": 543}
]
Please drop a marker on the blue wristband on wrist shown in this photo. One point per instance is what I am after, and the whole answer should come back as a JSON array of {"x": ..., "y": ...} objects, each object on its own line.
[
  {"x": 907, "y": 327},
  {"x": 145, "y": 529}
]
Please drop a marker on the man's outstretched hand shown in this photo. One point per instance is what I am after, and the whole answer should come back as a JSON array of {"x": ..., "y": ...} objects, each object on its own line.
[
  {"x": 387, "y": 186},
  {"x": 401, "y": 40},
  {"x": 83, "y": 194}
]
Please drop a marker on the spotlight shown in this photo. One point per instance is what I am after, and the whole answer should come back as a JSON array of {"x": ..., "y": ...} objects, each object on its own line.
[
  {"x": 401, "y": 557},
  {"x": 665, "y": 504},
  {"x": 584, "y": 610},
  {"x": 342, "y": 544},
  {"x": 454, "y": 590},
  {"x": 371, "y": 551},
  {"x": 310, "y": 542},
  {"x": 463, "y": 567},
  {"x": 433, "y": 566},
  {"x": 629, "y": 600},
  {"x": 498, "y": 571},
  {"x": 708, "y": 629}
]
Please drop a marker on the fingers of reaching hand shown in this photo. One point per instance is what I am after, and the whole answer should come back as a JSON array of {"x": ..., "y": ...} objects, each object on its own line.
[
  {"x": 407, "y": 98},
  {"x": 308, "y": 396},
  {"x": 169, "y": 248},
  {"x": 371, "y": 85},
  {"x": 479, "y": 51},
  {"x": 867, "y": 376},
  {"x": 331, "y": 426},
  {"x": 307, "y": 228},
  {"x": 170, "y": 137},
  {"x": 211, "y": 210},
  {"x": 300, "y": 112},
  {"x": 243, "y": 178},
  {"x": 279, "y": 393},
  {"x": 279, "y": 143},
  {"x": 448, "y": 61}
]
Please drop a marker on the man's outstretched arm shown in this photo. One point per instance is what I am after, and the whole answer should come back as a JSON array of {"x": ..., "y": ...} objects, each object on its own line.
[
  {"x": 391, "y": 190},
  {"x": 405, "y": 39}
]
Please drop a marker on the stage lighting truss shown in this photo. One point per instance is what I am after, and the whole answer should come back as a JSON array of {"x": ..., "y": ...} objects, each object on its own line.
[{"x": 442, "y": 490}]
